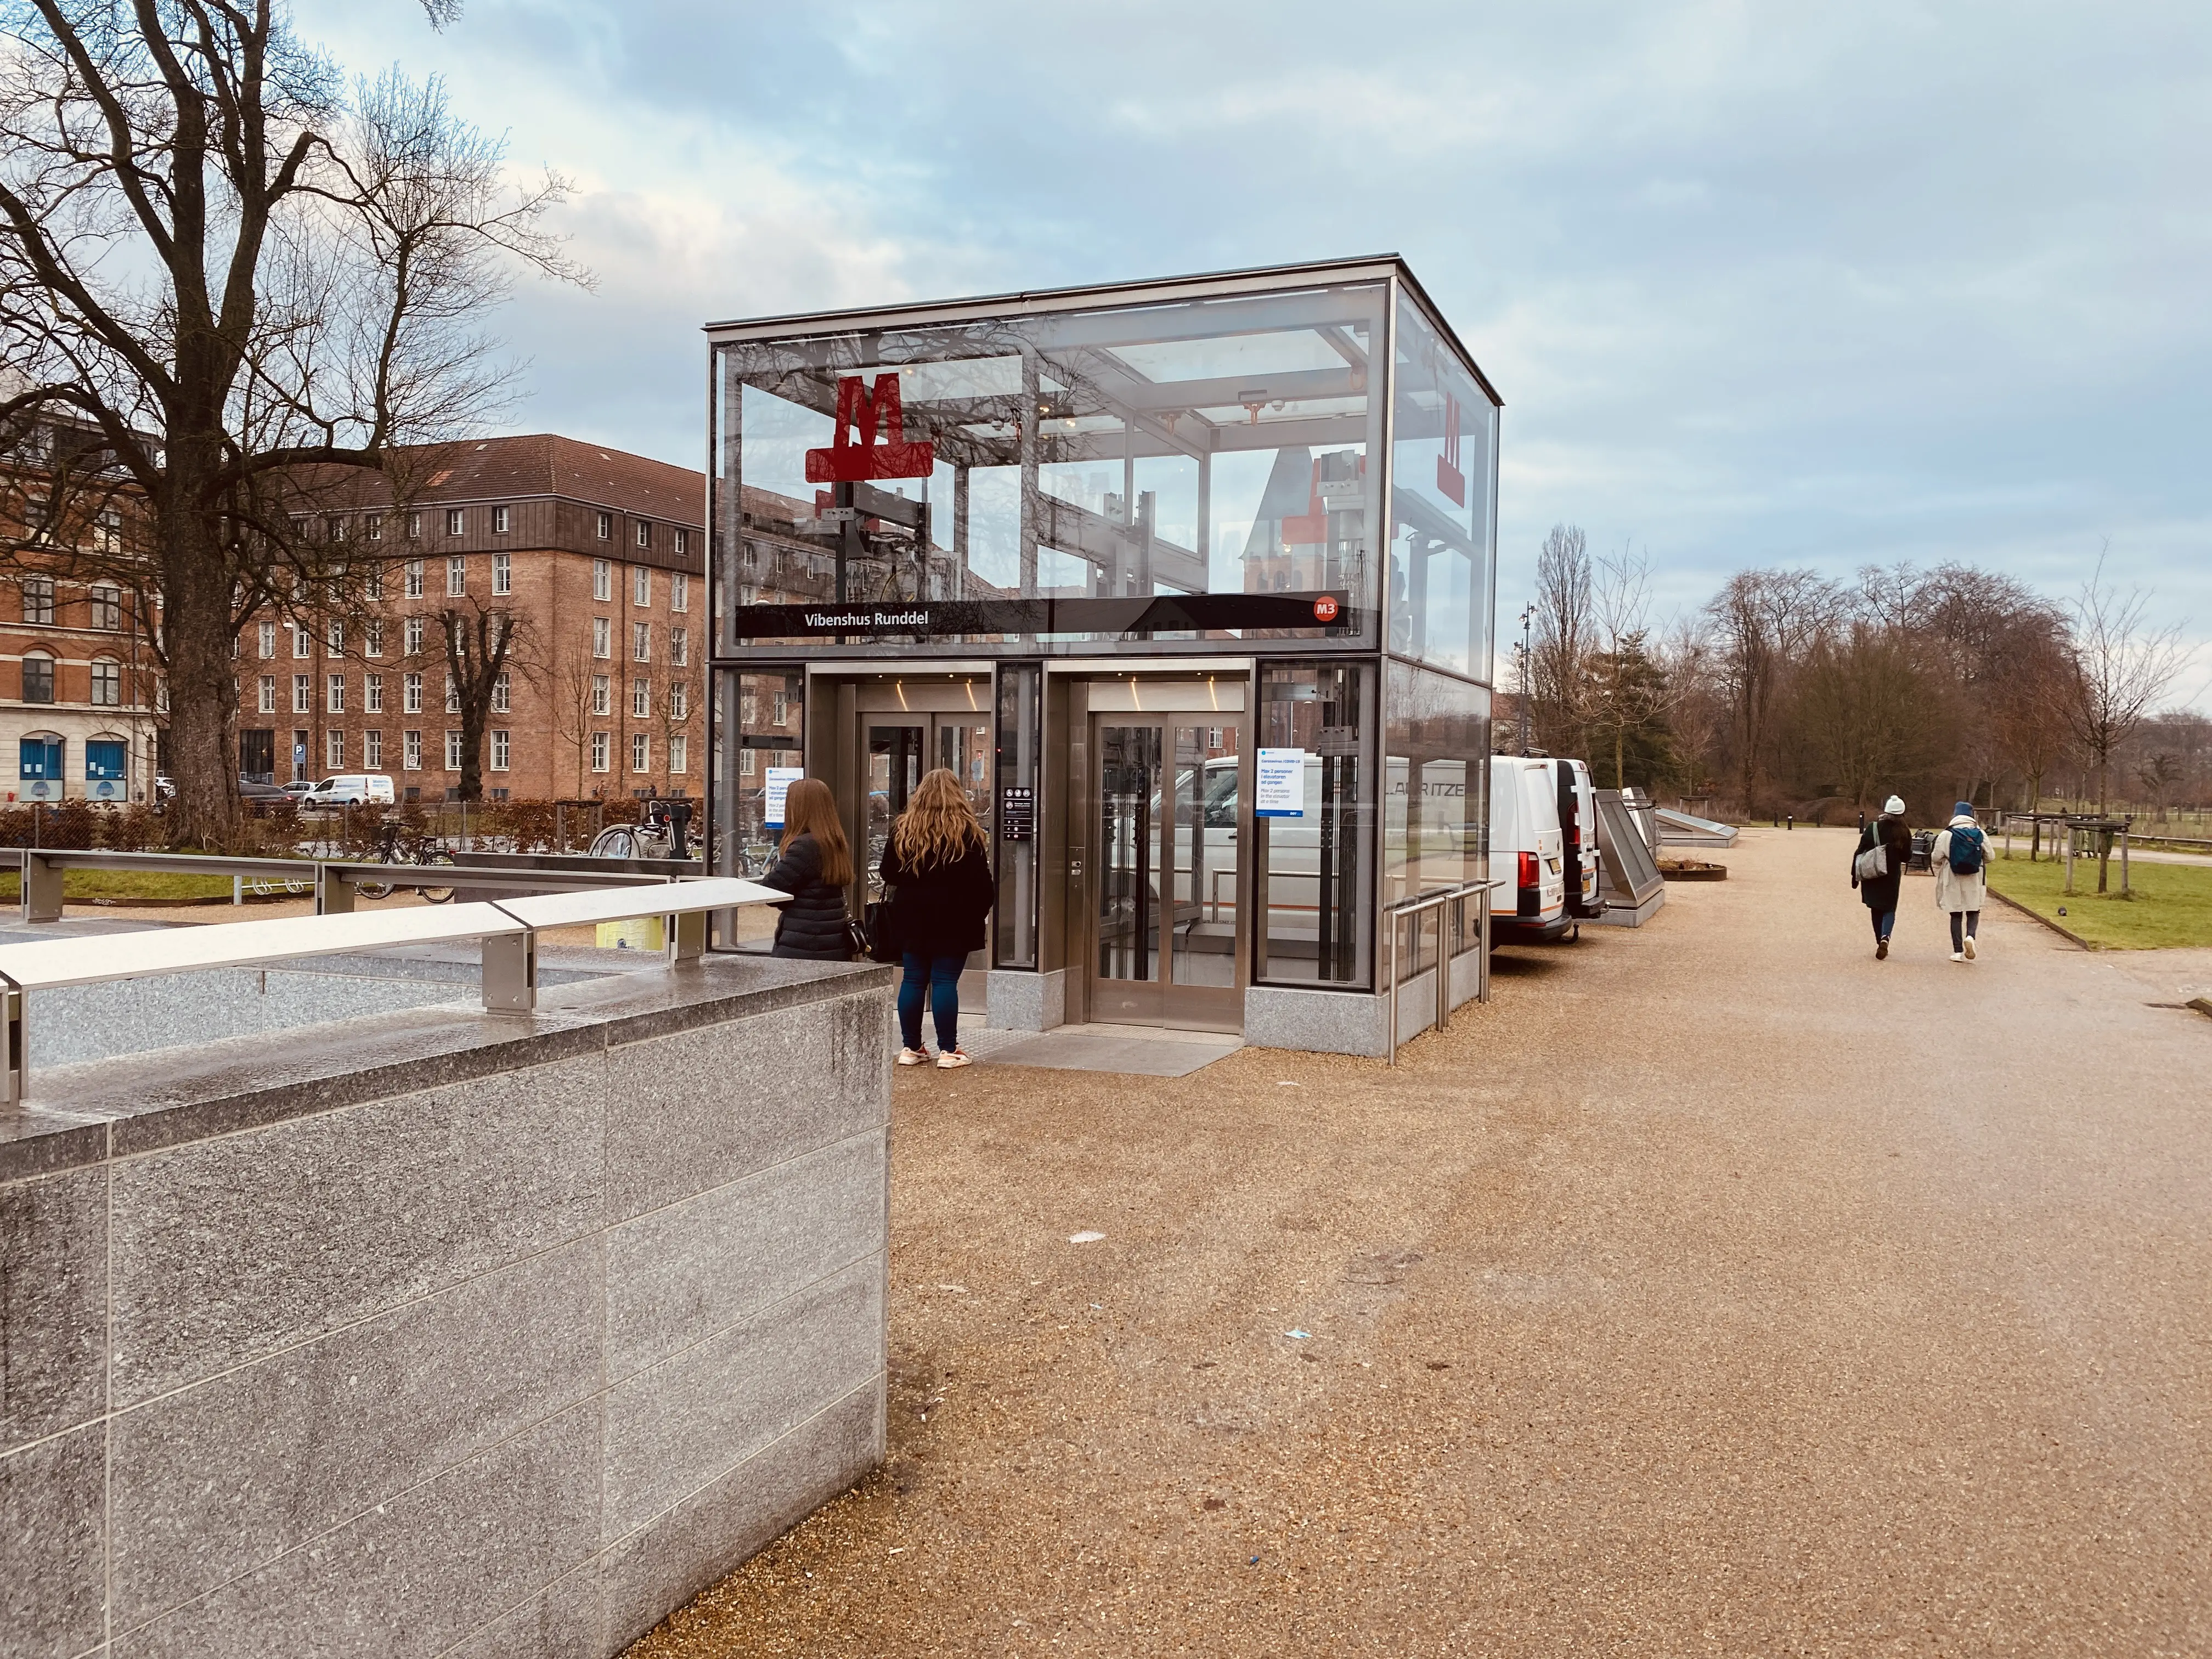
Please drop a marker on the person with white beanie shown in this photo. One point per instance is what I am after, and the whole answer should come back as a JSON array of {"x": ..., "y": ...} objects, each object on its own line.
[
  {"x": 1961, "y": 859},
  {"x": 1878, "y": 866}
]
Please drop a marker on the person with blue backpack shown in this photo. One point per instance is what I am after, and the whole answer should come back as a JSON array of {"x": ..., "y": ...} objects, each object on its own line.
[{"x": 1960, "y": 858}]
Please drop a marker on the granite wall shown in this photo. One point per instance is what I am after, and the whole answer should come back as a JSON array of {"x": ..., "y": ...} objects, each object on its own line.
[{"x": 440, "y": 1334}]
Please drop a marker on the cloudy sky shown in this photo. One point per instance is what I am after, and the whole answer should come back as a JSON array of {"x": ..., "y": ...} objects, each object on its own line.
[{"x": 1760, "y": 283}]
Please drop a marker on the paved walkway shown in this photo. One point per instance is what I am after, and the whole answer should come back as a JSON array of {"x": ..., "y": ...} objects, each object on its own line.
[{"x": 1716, "y": 1290}]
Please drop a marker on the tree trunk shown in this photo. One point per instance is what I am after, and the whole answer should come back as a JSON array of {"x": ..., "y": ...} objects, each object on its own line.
[{"x": 196, "y": 638}]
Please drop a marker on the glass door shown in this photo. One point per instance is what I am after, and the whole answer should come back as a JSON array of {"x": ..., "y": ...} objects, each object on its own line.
[
  {"x": 1166, "y": 928},
  {"x": 895, "y": 751}
]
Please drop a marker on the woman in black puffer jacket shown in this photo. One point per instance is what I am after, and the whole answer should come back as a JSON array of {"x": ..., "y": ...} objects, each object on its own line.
[
  {"x": 814, "y": 867},
  {"x": 937, "y": 862}
]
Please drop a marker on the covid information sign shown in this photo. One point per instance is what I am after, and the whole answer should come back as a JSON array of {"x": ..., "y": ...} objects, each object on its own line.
[
  {"x": 780, "y": 779},
  {"x": 1279, "y": 785}
]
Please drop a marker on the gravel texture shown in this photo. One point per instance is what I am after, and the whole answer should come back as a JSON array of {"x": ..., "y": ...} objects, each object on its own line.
[{"x": 1717, "y": 1290}]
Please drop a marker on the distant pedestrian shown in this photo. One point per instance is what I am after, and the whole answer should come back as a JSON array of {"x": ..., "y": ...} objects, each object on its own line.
[
  {"x": 1961, "y": 859},
  {"x": 937, "y": 879},
  {"x": 1884, "y": 850},
  {"x": 814, "y": 865}
]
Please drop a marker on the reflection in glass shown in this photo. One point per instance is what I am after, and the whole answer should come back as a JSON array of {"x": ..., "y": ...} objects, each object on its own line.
[
  {"x": 1435, "y": 802},
  {"x": 1129, "y": 890},
  {"x": 762, "y": 720},
  {"x": 1443, "y": 463},
  {"x": 1204, "y": 831},
  {"x": 894, "y": 768},
  {"x": 1316, "y": 869}
]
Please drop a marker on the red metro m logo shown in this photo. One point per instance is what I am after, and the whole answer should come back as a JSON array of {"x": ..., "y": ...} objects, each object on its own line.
[{"x": 870, "y": 441}]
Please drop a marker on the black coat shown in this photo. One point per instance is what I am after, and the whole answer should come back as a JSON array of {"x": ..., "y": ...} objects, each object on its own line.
[
  {"x": 1881, "y": 894},
  {"x": 813, "y": 926},
  {"x": 938, "y": 909}
]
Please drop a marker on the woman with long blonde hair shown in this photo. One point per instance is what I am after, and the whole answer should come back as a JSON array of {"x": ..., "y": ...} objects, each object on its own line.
[
  {"x": 937, "y": 875},
  {"x": 814, "y": 865}
]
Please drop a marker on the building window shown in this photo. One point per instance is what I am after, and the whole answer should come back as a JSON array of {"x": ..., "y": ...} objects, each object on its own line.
[
  {"x": 503, "y": 693},
  {"x": 414, "y": 634},
  {"x": 679, "y": 702},
  {"x": 372, "y": 584},
  {"x": 372, "y": 530},
  {"x": 452, "y": 751},
  {"x": 745, "y": 763},
  {"x": 679, "y": 752},
  {"x": 598, "y": 752},
  {"x": 372, "y": 638},
  {"x": 410, "y": 751},
  {"x": 414, "y": 579},
  {"x": 453, "y": 696},
  {"x": 411, "y": 694},
  {"x": 679, "y": 646},
  {"x": 499, "y": 521},
  {"x": 603, "y": 637},
  {"x": 335, "y": 702},
  {"x": 502, "y": 573},
  {"x": 267, "y": 702},
  {"x": 640, "y": 641},
  {"x": 371, "y": 694},
  {"x": 683, "y": 542},
  {"x": 303, "y": 643},
  {"x": 602, "y": 694},
  {"x": 641, "y": 699},
  {"x": 457, "y": 576},
  {"x": 372, "y": 751},
  {"x": 39, "y": 599},
  {"x": 334, "y": 750},
  {"x": 603, "y": 580},
  {"x": 335, "y": 529},
  {"x": 500, "y": 749},
  {"x": 456, "y": 522},
  {"x": 38, "y": 677},
  {"x": 107, "y": 682},
  {"x": 644, "y": 532},
  {"x": 641, "y": 752},
  {"x": 414, "y": 527},
  {"x": 335, "y": 636},
  {"x": 268, "y": 639},
  {"x": 641, "y": 585},
  {"x": 106, "y": 607},
  {"x": 303, "y": 694},
  {"x": 679, "y": 585},
  {"x": 606, "y": 534}
]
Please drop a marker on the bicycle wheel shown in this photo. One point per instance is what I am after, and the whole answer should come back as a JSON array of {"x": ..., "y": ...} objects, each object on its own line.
[
  {"x": 436, "y": 895},
  {"x": 374, "y": 889}
]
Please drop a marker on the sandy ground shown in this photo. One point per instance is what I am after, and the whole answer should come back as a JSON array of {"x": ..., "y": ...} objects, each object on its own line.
[{"x": 1717, "y": 1290}]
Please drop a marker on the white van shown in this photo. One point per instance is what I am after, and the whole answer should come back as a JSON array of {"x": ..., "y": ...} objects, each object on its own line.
[
  {"x": 1528, "y": 848},
  {"x": 351, "y": 789},
  {"x": 1577, "y": 798}
]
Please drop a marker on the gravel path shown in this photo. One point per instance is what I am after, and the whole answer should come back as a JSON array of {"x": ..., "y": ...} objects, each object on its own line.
[{"x": 1717, "y": 1290}]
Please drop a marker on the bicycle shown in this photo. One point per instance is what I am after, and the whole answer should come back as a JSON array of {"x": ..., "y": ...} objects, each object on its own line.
[{"x": 426, "y": 850}]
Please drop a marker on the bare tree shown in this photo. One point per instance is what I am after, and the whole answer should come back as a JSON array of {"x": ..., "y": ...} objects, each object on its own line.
[
  {"x": 574, "y": 716},
  {"x": 485, "y": 647},
  {"x": 246, "y": 278},
  {"x": 1623, "y": 694},
  {"x": 1764, "y": 621},
  {"x": 1560, "y": 649},
  {"x": 2122, "y": 665}
]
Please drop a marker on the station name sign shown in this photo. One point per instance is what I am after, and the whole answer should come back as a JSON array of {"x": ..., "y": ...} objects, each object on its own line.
[{"x": 1329, "y": 614}]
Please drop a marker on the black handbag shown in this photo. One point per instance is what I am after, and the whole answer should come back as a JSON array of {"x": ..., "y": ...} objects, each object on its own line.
[{"x": 879, "y": 933}]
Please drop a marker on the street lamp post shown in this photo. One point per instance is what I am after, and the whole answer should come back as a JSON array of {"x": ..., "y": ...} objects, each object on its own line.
[{"x": 1527, "y": 616}]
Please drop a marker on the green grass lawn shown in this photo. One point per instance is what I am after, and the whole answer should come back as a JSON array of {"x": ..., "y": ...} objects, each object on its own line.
[
  {"x": 131, "y": 883},
  {"x": 2172, "y": 906}
]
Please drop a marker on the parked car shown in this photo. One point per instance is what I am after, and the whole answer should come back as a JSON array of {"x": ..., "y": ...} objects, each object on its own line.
[
  {"x": 351, "y": 789},
  {"x": 1578, "y": 833},
  {"x": 298, "y": 789},
  {"x": 1528, "y": 848}
]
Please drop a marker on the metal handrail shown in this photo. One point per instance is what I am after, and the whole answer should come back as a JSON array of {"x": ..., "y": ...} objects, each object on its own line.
[
  {"x": 507, "y": 929},
  {"x": 1407, "y": 907}
]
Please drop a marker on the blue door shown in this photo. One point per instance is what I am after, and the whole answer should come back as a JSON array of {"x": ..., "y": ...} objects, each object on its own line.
[
  {"x": 107, "y": 769},
  {"x": 42, "y": 769}
]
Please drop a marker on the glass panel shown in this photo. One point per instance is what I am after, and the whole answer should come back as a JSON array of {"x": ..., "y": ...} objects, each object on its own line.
[
  {"x": 1128, "y": 891},
  {"x": 761, "y": 721},
  {"x": 1015, "y": 916},
  {"x": 1203, "y": 847},
  {"x": 964, "y": 749},
  {"x": 1318, "y": 868},
  {"x": 1443, "y": 473},
  {"x": 1058, "y": 472},
  {"x": 894, "y": 767},
  {"x": 1436, "y": 811}
]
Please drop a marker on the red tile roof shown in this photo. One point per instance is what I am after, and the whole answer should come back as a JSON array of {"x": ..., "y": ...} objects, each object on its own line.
[{"x": 542, "y": 464}]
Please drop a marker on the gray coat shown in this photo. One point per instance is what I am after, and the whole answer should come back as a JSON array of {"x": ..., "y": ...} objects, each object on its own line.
[{"x": 1953, "y": 891}]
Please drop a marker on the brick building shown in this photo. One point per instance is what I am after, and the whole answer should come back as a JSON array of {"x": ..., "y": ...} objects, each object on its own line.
[{"x": 598, "y": 556}]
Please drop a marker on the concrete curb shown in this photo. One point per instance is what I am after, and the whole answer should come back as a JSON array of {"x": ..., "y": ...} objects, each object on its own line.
[{"x": 2037, "y": 916}]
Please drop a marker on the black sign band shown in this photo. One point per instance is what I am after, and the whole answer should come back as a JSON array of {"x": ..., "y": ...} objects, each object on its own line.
[{"x": 1165, "y": 613}]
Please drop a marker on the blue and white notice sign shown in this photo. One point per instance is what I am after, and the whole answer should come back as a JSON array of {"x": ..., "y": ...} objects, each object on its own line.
[
  {"x": 1279, "y": 788},
  {"x": 780, "y": 779}
]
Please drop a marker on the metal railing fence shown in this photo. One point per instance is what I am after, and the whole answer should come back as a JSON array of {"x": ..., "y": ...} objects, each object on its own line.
[{"x": 1394, "y": 915}]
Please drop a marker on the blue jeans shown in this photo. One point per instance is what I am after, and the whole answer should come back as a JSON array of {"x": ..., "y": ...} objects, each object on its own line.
[
  {"x": 941, "y": 976},
  {"x": 1883, "y": 921}
]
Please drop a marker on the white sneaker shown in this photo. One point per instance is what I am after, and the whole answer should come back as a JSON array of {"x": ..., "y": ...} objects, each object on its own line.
[
  {"x": 952, "y": 1059},
  {"x": 914, "y": 1057},
  {"x": 1958, "y": 955},
  {"x": 1970, "y": 947}
]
